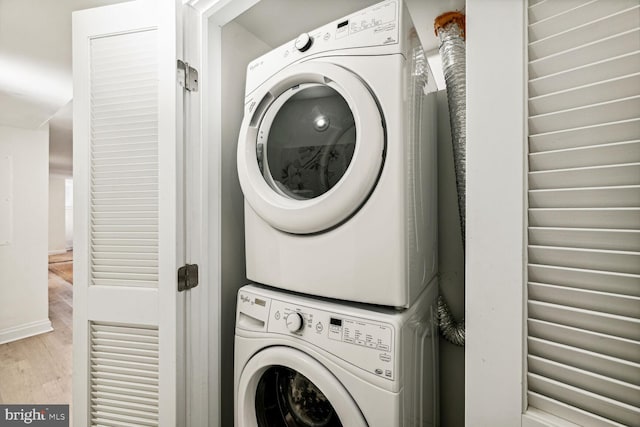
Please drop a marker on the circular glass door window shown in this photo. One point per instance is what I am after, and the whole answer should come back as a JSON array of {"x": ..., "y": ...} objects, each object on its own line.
[
  {"x": 305, "y": 148},
  {"x": 286, "y": 398}
]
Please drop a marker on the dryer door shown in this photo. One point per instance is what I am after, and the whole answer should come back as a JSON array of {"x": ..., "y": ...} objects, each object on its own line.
[
  {"x": 311, "y": 147},
  {"x": 283, "y": 387}
]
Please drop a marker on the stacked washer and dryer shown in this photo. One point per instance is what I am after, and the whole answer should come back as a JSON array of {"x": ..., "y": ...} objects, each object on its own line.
[{"x": 337, "y": 163}]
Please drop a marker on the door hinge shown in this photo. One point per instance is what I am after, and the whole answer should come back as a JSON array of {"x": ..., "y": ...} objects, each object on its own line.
[
  {"x": 187, "y": 76},
  {"x": 187, "y": 277}
]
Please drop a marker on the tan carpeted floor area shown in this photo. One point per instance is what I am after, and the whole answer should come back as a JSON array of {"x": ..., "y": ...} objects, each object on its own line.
[{"x": 62, "y": 265}]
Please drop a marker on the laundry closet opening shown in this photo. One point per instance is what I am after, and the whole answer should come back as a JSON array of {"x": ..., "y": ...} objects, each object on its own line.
[
  {"x": 231, "y": 46},
  {"x": 260, "y": 29}
]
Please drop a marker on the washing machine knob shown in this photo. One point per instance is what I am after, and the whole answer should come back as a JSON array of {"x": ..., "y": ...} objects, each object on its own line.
[
  {"x": 295, "y": 322},
  {"x": 303, "y": 42}
]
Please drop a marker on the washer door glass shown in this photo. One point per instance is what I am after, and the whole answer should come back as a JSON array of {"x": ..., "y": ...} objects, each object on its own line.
[
  {"x": 283, "y": 387},
  {"x": 286, "y": 398},
  {"x": 310, "y": 142}
]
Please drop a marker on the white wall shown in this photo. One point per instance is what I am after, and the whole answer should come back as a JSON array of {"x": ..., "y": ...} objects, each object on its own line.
[
  {"x": 239, "y": 47},
  {"x": 68, "y": 215},
  {"x": 57, "y": 226},
  {"x": 451, "y": 272},
  {"x": 23, "y": 261}
]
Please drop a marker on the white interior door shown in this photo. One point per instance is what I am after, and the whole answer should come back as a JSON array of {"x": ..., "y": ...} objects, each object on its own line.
[{"x": 126, "y": 236}]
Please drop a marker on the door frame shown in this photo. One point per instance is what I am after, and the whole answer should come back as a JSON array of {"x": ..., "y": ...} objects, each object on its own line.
[
  {"x": 495, "y": 269},
  {"x": 209, "y": 16}
]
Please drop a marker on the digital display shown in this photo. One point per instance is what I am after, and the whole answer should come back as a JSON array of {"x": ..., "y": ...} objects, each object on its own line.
[
  {"x": 343, "y": 23},
  {"x": 260, "y": 302},
  {"x": 336, "y": 322}
]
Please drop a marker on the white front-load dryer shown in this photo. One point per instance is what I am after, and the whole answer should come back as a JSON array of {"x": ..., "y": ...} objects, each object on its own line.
[
  {"x": 303, "y": 362},
  {"x": 337, "y": 162}
]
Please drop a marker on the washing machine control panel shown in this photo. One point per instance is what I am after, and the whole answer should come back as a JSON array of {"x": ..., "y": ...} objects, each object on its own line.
[{"x": 364, "y": 343}]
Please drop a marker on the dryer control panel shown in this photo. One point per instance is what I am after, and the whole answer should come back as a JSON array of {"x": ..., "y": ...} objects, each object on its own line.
[
  {"x": 362, "y": 342},
  {"x": 377, "y": 26}
]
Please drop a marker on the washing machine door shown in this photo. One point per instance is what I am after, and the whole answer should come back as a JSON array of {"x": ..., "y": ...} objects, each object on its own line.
[
  {"x": 311, "y": 147},
  {"x": 284, "y": 387}
]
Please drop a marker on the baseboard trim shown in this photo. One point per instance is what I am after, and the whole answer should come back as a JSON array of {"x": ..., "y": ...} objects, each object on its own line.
[
  {"x": 57, "y": 252},
  {"x": 19, "y": 332}
]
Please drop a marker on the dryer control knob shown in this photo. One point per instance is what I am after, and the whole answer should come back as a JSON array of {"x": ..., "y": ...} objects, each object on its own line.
[
  {"x": 295, "y": 322},
  {"x": 303, "y": 42}
]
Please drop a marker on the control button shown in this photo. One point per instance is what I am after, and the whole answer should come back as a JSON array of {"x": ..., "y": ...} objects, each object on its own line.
[
  {"x": 379, "y": 371},
  {"x": 385, "y": 357},
  {"x": 277, "y": 315},
  {"x": 349, "y": 340},
  {"x": 303, "y": 42},
  {"x": 387, "y": 373},
  {"x": 327, "y": 36},
  {"x": 371, "y": 344},
  {"x": 295, "y": 322},
  {"x": 383, "y": 347},
  {"x": 319, "y": 327},
  {"x": 359, "y": 342}
]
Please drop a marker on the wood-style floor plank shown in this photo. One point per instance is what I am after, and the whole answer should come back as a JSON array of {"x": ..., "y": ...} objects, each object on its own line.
[{"x": 37, "y": 370}]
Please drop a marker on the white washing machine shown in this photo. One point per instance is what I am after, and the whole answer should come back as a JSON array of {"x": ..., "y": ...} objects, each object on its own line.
[
  {"x": 302, "y": 362},
  {"x": 337, "y": 161}
]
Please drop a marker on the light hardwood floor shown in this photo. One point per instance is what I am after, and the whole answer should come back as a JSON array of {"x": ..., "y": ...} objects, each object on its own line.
[{"x": 38, "y": 369}]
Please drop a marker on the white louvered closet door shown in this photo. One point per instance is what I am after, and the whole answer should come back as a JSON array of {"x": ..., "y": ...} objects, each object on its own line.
[
  {"x": 584, "y": 211},
  {"x": 125, "y": 246}
]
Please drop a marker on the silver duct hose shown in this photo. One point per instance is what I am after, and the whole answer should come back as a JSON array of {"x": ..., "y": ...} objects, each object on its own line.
[
  {"x": 451, "y": 330},
  {"x": 452, "y": 52},
  {"x": 450, "y": 29}
]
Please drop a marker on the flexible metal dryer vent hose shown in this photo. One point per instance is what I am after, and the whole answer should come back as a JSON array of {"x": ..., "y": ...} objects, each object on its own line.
[{"x": 450, "y": 28}]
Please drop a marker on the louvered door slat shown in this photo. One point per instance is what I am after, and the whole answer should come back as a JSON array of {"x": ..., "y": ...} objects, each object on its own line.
[
  {"x": 573, "y": 118},
  {"x": 603, "y": 70},
  {"x": 605, "y": 281},
  {"x": 580, "y": 96},
  {"x": 123, "y": 150},
  {"x": 584, "y": 211},
  {"x": 585, "y": 380},
  {"x": 586, "y": 238},
  {"x": 105, "y": 256},
  {"x": 127, "y": 388},
  {"x": 603, "y": 344},
  {"x": 598, "y": 301},
  {"x": 619, "y": 131},
  {"x": 609, "y": 408},
  {"x": 129, "y": 365},
  {"x": 596, "y": 321},
  {"x": 599, "y": 50},
  {"x": 576, "y": 17},
  {"x": 548, "y": 9},
  {"x": 604, "y": 260},
  {"x": 603, "y": 218},
  {"x": 595, "y": 155},
  {"x": 126, "y": 228},
  {"x": 597, "y": 29},
  {"x": 590, "y": 176},
  {"x": 613, "y": 367},
  {"x": 562, "y": 410},
  {"x": 588, "y": 197}
]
